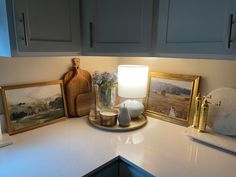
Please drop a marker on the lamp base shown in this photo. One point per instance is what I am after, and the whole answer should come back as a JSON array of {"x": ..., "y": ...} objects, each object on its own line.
[{"x": 134, "y": 107}]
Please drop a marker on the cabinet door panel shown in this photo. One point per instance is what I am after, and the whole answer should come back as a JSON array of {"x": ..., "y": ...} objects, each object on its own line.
[
  {"x": 193, "y": 27},
  {"x": 111, "y": 26},
  {"x": 231, "y": 38},
  {"x": 127, "y": 170},
  {"x": 108, "y": 170},
  {"x": 47, "y": 25},
  {"x": 117, "y": 26},
  {"x": 192, "y": 21}
]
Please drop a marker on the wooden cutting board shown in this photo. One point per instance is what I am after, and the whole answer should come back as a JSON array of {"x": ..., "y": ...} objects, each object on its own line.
[
  {"x": 78, "y": 90},
  {"x": 84, "y": 103}
]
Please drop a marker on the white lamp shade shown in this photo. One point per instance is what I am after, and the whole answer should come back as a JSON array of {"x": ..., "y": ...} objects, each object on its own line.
[{"x": 132, "y": 81}]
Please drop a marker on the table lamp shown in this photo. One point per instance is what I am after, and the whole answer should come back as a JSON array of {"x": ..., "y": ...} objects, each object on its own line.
[{"x": 132, "y": 84}]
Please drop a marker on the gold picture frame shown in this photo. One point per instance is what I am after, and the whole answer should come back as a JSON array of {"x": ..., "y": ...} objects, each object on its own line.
[
  {"x": 171, "y": 97},
  {"x": 34, "y": 105}
]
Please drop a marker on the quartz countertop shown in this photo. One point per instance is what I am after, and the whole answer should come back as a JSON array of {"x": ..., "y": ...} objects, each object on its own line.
[{"x": 72, "y": 148}]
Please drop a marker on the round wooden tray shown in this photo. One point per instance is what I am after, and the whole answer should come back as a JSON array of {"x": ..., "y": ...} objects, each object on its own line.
[{"x": 134, "y": 124}]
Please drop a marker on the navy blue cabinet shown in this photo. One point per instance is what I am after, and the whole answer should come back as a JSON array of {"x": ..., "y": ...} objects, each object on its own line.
[
  {"x": 202, "y": 27},
  {"x": 117, "y": 27},
  {"x": 119, "y": 167},
  {"x": 131, "y": 170},
  {"x": 110, "y": 170},
  {"x": 49, "y": 27}
]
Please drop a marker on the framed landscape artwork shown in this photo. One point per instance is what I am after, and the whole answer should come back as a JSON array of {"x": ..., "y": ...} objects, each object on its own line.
[
  {"x": 171, "y": 97},
  {"x": 34, "y": 105}
]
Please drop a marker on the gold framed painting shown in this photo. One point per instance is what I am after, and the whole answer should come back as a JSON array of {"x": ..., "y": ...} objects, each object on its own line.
[
  {"x": 29, "y": 106},
  {"x": 171, "y": 97}
]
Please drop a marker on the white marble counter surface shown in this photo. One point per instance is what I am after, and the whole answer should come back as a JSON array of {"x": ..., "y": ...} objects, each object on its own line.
[{"x": 72, "y": 148}]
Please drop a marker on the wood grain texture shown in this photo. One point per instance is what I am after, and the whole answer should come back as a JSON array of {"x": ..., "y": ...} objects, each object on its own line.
[
  {"x": 84, "y": 102},
  {"x": 78, "y": 89}
]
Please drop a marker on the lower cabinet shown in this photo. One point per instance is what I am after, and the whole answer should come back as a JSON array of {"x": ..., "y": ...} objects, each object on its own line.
[
  {"x": 119, "y": 167},
  {"x": 128, "y": 170},
  {"x": 111, "y": 170}
]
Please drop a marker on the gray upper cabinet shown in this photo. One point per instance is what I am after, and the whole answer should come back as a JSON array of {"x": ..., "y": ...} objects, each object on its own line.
[
  {"x": 201, "y": 27},
  {"x": 122, "y": 27},
  {"x": 51, "y": 27}
]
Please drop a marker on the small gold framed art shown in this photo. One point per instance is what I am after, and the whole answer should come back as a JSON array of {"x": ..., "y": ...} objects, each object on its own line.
[
  {"x": 29, "y": 106},
  {"x": 171, "y": 97}
]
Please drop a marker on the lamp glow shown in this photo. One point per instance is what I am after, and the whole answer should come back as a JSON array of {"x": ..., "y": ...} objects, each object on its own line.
[
  {"x": 132, "y": 84},
  {"x": 132, "y": 81}
]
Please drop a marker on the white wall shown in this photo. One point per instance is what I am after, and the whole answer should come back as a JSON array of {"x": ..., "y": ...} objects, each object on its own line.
[
  {"x": 39, "y": 69},
  {"x": 214, "y": 73},
  {"x": 34, "y": 69}
]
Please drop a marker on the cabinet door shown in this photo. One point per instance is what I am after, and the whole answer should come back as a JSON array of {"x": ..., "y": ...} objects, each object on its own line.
[
  {"x": 193, "y": 27},
  {"x": 231, "y": 34},
  {"x": 127, "y": 170},
  {"x": 110, "y": 170},
  {"x": 47, "y": 25},
  {"x": 117, "y": 26}
]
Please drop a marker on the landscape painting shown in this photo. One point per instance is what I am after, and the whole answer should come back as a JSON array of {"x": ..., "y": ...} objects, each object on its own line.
[
  {"x": 31, "y": 106},
  {"x": 171, "y": 96}
]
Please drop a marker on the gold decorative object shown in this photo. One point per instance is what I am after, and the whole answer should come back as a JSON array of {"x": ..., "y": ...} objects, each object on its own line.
[
  {"x": 108, "y": 117},
  {"x": 134, "y": 124},
  {"x": 198, "y": 102},
  {"x": 203, "y": 116}
]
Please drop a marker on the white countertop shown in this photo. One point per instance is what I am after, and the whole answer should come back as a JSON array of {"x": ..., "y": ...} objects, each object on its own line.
[{"x": 72, "y": 148}]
